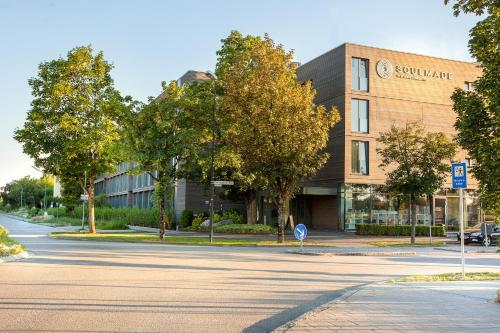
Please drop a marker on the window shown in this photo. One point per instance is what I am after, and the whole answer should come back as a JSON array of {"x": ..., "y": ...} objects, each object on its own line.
[
  {"x": 468, "y": 86},
  {"x": 359, "y": 157},
  {"x": 359, "y": 115},
  {"x": 359, "y": 74},
  {"x": 468, "y": 162}
]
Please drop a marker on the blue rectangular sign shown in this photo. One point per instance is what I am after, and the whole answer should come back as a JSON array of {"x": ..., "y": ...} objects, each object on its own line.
[{"x": 459, "y": 175}]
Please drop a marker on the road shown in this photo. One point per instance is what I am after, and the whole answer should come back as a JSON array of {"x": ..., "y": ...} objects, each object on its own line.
[{"x": 78, "y": 286}]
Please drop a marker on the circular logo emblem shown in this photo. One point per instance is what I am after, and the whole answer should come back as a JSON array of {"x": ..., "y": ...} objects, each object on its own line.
[{"x": 384, "y": 68}]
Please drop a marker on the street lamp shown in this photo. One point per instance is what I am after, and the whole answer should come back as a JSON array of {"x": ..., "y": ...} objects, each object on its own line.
[{"x": 212, "y": 187}]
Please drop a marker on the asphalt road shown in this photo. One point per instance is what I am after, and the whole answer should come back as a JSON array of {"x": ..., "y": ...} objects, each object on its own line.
[{"x": 78, "y": 286}]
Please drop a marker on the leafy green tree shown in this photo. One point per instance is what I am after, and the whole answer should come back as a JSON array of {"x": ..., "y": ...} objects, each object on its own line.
[
  {"x": 70, "y": 192},
  {"x": 160, "y": 137},
  {"x": 30, "y": 191},
  {"x": 235, "y": 48},
  {"x": 478, "y": 111},
  {"x": 275, "y": 128},
  {"x": 71, "y": 129},
  {"x": 418, "y": 162}
]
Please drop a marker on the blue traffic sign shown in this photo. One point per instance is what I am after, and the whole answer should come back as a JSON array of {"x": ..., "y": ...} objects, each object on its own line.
[
  {"x": 300, "y": 232},
  {"x": 459, "y": 175}
]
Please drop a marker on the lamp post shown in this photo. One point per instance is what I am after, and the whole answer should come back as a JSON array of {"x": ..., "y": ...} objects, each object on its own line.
[
  {"x": 22, "y": 189},
  {"x": 212, "y": 158}
]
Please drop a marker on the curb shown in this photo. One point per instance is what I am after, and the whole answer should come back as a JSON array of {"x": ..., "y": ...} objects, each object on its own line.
[
  {"x": 367, "y": 254},
  {"x": 15, "y": 257},
  {"x": 493, "y": 250},
  {"x": 285, "y": 327}
]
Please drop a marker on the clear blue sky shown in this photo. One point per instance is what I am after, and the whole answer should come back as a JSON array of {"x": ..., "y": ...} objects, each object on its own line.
[{"x": 152, "y": 41}]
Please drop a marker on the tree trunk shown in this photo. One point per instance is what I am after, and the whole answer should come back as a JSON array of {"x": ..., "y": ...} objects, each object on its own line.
[
  {"x": 282, "y": 205},
  {"x": 413, "y": 221},
  {"x": 162, "y": 216},
  {"x": 91, "y": 216},
  {"x": 251, "y": 205}
]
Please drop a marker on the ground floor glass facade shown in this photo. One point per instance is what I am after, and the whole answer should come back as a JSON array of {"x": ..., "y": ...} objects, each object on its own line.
[{"x": 368, "y": 204}]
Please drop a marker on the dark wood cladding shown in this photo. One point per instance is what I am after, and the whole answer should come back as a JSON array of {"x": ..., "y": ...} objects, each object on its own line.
[{"x": 394, "y": 100}]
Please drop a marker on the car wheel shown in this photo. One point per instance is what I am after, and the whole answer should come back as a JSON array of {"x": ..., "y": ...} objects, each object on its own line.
[{"x": 487, "y": 241}]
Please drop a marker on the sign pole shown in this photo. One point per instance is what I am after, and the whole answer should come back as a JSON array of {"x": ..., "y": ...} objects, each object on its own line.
[
  {"x": 459, "y": 181},
  {"x": 462, "y": 244},
  {"x": 83, "y": 202}
]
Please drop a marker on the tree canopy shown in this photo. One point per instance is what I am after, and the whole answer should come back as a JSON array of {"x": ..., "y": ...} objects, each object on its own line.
[
  {"x": 71, "y": 129},
  {"x": 417, "y": 162},
  {"x": 478, "y": 111},
  {"x": 275, "y": 128}
]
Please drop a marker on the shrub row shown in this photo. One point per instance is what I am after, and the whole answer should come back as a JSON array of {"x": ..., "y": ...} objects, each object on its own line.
[
  {"x": 397, "y": 230},
  {"x": 257, "y": 229},
  {"x": 189, "y": 219},
  {"x": 144, "y": 217}
]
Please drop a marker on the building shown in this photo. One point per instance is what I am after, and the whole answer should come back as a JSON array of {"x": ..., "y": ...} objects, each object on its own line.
[{"x": 374, "y": 88}]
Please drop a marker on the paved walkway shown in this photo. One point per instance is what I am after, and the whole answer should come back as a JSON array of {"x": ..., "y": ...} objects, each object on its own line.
[{"x": 409, "y": 307}]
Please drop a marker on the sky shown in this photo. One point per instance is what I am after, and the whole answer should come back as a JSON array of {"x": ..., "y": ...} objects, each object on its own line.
[{"x": 153, "y": 41}]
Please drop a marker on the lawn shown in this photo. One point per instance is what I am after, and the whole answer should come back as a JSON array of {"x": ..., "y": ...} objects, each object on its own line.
[
  {"x": 8, "y": 246},
  {"x": 407, "y": 243},
  {"x": 472, "y": 276},
  {"x": 153, "y": 238}
]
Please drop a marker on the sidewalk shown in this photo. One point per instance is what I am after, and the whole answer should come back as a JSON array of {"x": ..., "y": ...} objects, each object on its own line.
[{"x": 408, "y": 307}]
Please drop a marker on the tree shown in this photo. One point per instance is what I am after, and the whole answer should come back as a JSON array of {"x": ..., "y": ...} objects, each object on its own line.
[
  {"x": 30, "y": 192},
  {"x": 161, "y": 138},
  {"x": 71, "y": 129},
  {"x": 417, "y": 162},
  {"x": 234, "y": 47},
  {"x": 478, "y": 111},
  {"x": 275, "y": 127},
  {"x": 70, "y": 191}
]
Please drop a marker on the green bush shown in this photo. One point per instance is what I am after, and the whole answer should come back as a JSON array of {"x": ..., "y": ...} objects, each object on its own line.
[
  {"x": 186, "y": 218},
  {"x": 197, "y": 221},
  {"x": 244, "y": 229},
  {"x": 8, "y": 246},
  {"x": 33, "y": 211},
  {"x": 233, "y": 215},
  {"x": 6, "y": 208},
  {"x": 101, "y": 201},
  {"x": 397, "y": 230}
]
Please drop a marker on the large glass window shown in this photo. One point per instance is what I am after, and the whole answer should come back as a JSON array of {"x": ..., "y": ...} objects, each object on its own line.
[
  {"x": 359, "y": 118},
  {"x": 359, "y": 157},
  {"x": 359, "y": 72}
]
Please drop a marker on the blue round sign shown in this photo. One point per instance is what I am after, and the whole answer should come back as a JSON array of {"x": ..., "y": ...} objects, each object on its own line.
[{"x": 300, "y": 232}]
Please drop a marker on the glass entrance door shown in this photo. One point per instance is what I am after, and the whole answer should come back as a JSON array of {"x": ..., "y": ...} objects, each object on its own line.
[{"x": 440, "y": 211}]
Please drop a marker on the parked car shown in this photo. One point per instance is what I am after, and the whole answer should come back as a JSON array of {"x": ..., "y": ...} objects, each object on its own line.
[{"x": 478, "y": 236}]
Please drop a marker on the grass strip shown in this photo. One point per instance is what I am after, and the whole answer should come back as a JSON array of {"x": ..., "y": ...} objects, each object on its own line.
[
  {"x": 407, "y": 244},
  {"x": 472, "y": 276},
  {"x": 153, "y": 238}
]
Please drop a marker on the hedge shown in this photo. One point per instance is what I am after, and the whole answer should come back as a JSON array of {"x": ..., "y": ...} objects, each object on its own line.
[
  {"x": 260, "y": 229},
  {"x": 144, "y": 217},
  {"x": 397, "y": 230}
]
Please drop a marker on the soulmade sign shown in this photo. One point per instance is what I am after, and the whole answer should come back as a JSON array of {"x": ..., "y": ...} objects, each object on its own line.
[{"x": 385, "y": 70}]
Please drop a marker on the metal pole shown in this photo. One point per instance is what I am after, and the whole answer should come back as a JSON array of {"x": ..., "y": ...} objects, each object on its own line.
[
  {"x": 462, "y": 245},
  {"x": 431, "y": 222},
  {"x": 83, "y": 201},
  {"x": 212, "y": 187},
  {"x": 45, "y": 198}
]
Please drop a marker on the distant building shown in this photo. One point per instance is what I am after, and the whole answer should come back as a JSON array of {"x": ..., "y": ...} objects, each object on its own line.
[{"x": 57, "y": 187}]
